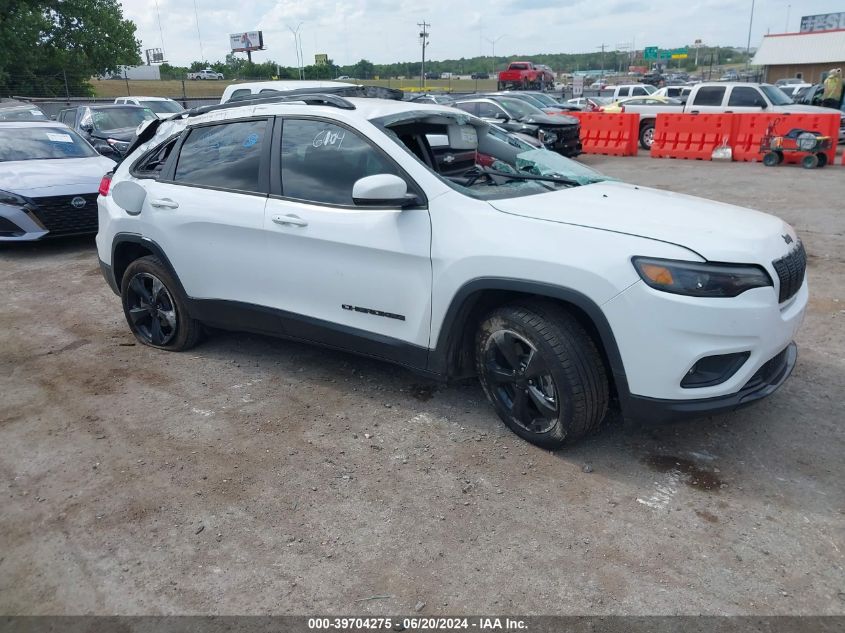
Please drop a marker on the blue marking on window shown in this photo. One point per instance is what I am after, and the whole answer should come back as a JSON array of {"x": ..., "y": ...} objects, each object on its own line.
[{"x": 251, "y": 140}]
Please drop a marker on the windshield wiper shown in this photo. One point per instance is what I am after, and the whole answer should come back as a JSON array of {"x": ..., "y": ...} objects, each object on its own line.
[{"x": 556, "y": 179}]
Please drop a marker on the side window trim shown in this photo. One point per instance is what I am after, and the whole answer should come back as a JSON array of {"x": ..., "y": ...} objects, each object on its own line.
[
  {"x": 168, "y": 174},
  {"x": 276, "y": 185}
]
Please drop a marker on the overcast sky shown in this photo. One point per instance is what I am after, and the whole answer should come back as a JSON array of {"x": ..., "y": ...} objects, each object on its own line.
[{"x": 386, "y": 30}]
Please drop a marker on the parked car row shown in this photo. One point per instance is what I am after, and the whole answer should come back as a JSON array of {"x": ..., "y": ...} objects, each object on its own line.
[{"x": 548, "y": 330}]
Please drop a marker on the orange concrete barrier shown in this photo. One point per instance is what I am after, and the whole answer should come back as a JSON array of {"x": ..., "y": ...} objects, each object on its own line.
[
  {"x": 749, "y": 130},
  {"x": 690, "y": 136},
  {"x": 610, "y": 134}
]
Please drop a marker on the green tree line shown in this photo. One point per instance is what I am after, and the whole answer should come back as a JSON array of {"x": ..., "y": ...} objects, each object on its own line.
[
  {"x": 236, "y": 67},
  {"x": 52, "y": 47}
]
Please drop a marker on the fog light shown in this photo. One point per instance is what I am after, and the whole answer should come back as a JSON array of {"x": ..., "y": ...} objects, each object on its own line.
[{"x": 714, "y": 370}]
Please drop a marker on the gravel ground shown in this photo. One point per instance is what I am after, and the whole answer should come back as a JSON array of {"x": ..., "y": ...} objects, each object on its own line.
[{"x": 256, "y": 476}]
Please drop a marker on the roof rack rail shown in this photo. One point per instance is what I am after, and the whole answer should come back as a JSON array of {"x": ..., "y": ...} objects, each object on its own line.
[
  {"x": 329, "y": 96},
  {"x": 309, "y": 98}
]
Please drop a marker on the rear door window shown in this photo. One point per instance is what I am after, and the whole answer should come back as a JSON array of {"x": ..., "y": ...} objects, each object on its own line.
[
  {"x": 745, "y": 97},
  {"x": 226, "y": 156},
  {"x": 709, "y": 96}
]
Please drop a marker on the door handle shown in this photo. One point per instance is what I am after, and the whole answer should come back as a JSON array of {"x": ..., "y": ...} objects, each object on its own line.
[
  {"x": 289, "y": 220},
  {"x": 694, "y": 112},
  {"x": 164, "y": 203}
]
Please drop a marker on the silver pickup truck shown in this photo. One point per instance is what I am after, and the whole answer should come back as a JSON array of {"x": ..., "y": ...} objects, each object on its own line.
[{"x": 723, "y": 97}]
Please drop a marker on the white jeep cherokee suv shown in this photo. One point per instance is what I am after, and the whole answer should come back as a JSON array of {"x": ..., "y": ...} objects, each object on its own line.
[{"x": 341, "y": 222}]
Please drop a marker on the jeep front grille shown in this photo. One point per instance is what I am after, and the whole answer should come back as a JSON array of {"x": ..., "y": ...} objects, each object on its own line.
[{"x": 790, "y": 270}]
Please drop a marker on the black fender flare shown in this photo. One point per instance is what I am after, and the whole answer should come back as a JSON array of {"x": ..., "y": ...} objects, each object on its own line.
[
  {"x": 148, "y": 244},
  {"x": 440, "y": 357}
]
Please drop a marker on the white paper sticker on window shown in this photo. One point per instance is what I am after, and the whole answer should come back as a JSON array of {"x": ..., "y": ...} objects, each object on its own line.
[
  {"x": 36, "y": 112},
  {"x": 59, "y": 138}
]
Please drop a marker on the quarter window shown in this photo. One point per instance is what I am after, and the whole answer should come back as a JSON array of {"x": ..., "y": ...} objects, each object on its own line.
[
  {"x": 226, "y": 156},
  {"x": 153, "y": 163},
  {"x": 709, "y": 96},
  {"x": 321, "y": 161}
]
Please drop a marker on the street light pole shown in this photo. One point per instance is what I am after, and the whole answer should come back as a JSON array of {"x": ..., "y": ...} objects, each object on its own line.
[
  {"x": 297, "y": 46},
  {"x": 493, "y": 47},
  {"x": 748, "y": 45},
  {"x": 424, "y": 42}
]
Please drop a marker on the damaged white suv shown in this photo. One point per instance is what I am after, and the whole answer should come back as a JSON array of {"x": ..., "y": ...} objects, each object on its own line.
[{"x": 421, "y": 235}]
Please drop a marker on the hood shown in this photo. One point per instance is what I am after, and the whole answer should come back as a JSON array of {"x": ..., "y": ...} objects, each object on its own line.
[
  {"x": 54, "y": 177},
  {"x": 716, "y": 231},
  {"x": 797, "y": 108},
  {"x": 121, "y": 134},
  {"x": 545, "y": 120}
]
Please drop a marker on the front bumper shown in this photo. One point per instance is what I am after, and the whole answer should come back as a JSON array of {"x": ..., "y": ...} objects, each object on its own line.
[
  {"x": 661, "y": 337},
  {"x": 568, "y": 143},
  {"x": 764, "y": 383}
]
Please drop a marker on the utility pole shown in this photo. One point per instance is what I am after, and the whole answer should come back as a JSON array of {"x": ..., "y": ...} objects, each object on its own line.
[
  {"x": 424, "y": 43},
  {"x": 748, "y": 45},
  {"x": 602, "y": 47}
]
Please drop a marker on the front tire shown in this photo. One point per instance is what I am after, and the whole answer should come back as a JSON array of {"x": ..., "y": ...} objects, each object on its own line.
[
  {"x": 647, "y": 135},
  {"x": 155, "y": 307},
  {"x": 542, "y": 372}
]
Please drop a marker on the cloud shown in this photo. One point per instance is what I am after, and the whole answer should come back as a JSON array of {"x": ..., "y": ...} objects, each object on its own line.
[{"x": 386, "y": 30}]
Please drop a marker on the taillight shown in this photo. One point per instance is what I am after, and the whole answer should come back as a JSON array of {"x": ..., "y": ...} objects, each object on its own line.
[
  {"x": 622, "y": 108},
  {"x": 105, "y": 184}
]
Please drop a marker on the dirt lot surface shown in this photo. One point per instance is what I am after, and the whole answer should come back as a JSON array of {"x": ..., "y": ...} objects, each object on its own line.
[{"x": 255, "y": 476}]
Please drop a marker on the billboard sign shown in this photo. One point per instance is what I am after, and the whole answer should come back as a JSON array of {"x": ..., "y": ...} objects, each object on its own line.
[
  {"x": 822, "y": 22},
  {"x": 246, "y": 41},
  {"x": 321, "y": 59}
]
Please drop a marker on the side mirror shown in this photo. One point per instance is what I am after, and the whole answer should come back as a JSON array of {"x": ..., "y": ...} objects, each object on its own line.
[
  {"x": 86, "y": 127},
  {"x": 501, "y": 116},
  {"x": 763, "y": 105},
  {"x": 383, "y": 190},
  {"x": 129, "y": 196},
  {"x": 106, "y": 150}
]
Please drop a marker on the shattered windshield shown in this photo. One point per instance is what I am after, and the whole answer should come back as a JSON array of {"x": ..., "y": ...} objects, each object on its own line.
[{"x": 484, "y": 161}]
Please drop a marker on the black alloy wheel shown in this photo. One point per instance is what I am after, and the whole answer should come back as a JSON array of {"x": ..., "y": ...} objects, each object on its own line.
[
  {"x": 520, "y": 381},
  {"x": 542, "y": 372},
  {"x": 156, "y": 307},
  {"x": 151, "y": 309}
]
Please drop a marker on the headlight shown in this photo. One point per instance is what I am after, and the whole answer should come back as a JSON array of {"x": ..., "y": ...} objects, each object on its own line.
[
  {"x": 700, "y": 279},
  {"x": 12, "y": 199},
  {"x": 547, "y": 137}
]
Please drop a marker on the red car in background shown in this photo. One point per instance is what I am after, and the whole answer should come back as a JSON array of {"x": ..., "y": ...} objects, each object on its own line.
[{"x": 526, "y": 76}]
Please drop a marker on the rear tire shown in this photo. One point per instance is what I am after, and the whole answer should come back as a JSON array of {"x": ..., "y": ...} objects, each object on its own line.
[
  {"x": 156, "y": 308},
  {"x": 542, "y": 372},
  {"x": 647, "y": 135}
]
